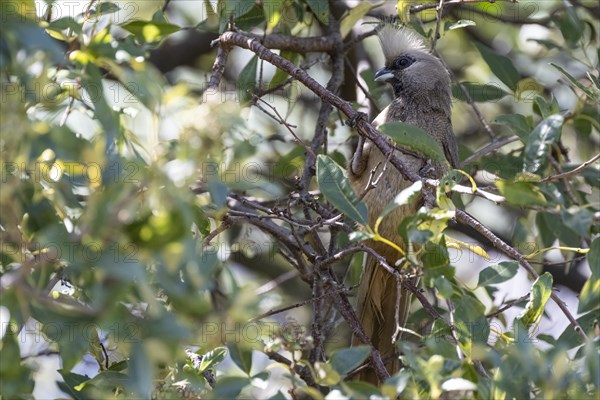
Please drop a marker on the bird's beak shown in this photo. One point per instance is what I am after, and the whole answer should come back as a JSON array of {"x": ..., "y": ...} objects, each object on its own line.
[{"x": 384, "y": 74}]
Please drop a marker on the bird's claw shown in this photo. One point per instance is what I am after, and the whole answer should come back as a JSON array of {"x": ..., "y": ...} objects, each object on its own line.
[{"x": 352, "y": 122}]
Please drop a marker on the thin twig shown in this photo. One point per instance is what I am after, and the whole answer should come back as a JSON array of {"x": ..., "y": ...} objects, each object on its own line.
[
  {"x": 488, "y": 149},
  {"x": 573, "y": 171},
  {"x": 397, "y": 310},
  {"x": 431, "y": 310},
  {"x": 317, "y": 353},
  {"x": 220, "y": 229},
  {"x": 480, "y": 117},
  {"x": 292, "y": 306},
  {"x": 272, "y": 284},
  {"x": 439, "y": 9},
  {"x": 510, "y": 20},
  {"x": 283, "y": 122},
  {"x": 450, "y": 306},
  {"x": 507, "y": 306},
  {"x": 68, "y": 111},
  {"x": 423, "y": 7}
]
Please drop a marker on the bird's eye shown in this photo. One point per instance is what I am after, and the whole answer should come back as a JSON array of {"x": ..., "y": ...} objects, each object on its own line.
[{"x": 403, "y": 62}]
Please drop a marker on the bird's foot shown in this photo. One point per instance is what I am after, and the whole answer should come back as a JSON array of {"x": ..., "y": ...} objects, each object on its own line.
[
  {"x": 352, "y": 122},
  {"x": 428, "y": 169}
]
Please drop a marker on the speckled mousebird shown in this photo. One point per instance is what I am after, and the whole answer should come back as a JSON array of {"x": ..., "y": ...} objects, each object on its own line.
[{"x": 422, "y": 97}]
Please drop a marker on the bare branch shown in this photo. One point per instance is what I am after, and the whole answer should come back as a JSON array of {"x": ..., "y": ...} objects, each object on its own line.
[
  {"x": 573, "y": 171},
  {"x": 439, "y": 9},
  {"x": 218, "y": 68},
  {"x": 423, "y": 7},
  {"x": 488, "y": 149}
]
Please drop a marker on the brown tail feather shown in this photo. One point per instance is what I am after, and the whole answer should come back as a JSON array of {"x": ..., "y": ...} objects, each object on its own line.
[{"x": 376, "y": 309}]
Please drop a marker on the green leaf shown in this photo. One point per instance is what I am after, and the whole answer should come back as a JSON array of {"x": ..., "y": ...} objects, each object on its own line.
[
  {"x": 471, "y": 324},
  {"x": 345, "y": 360},
  {"x": 272, "y": 11},
  {"x": 336, "y": 188},
  {"x": 229, "y": 387},
  {"x": 65, "y": 23},
  {"x": 140, "y": 371},
  {"x": 360, "y": 390},
  {"x": 500, "y": 65},
  {"x": 478, "y": 92},
  {"x": 593, "y": 257},
  {"x": 545, "y": 108},
  {"x": 241, "y": 356},
  {"x": 290, "y": 164},
  {"x": 395, "y": 384},
  {"x": 579, "y": 220},
  {"x": 70, "y": 384},
  {"x": 106, "y": 115},
  {"x": 150, "y": 31},
  {"x": 594, "y": 80},
  {"x": 320, "y": 9},
  {"x": 592, "y": 362},
  {"x": 17, "y": 382},
  {"x": 145, "y": 83},
  {"x": 517, "y": 123},
  {"x": 403, "y": 8},
  {"x": 280, "y": 75},
  {"x": 571, "y": 26},
  {"x": 360, "y": 236},
  {"x": 552, "y": 227},
  {"x": 354, "y": 15},
  {"x": 462, "y": 23},
  {"x": 212, "y": 358},
  {"x": 325, "y": 374},
  {"x": 498, "y": 273},
  {"x": 218, "y": 191},
  {"x": 538, "y": 146},
  {"x": 107, "y": 8},
  {"x": 406, "y": 196},
  {"x": 505, "y": 166},
  {"x": 521, "y": 193},
  {"x": 247, "y": 80},
  {"x": 107, "y": 379},
  {"x": 589, "y": 324},
  {"x": 444, "y": 287},
  {"x": 576, "y": 83},
  {"x": 414, "y": 138},
  {"x": 437, "y": 256},
  {"x": 540, "y": 293},
  {"x": 589, "y": 299},
  {"x": 548, "y": 44},
  {"x": 248, "y": 18}
]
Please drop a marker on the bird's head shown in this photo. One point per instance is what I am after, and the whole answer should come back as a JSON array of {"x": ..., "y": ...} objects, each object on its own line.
[{"x": 409, "y": 67}]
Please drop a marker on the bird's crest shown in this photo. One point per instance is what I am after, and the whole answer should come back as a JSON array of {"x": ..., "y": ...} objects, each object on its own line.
[{"x": 395, "y": 41}]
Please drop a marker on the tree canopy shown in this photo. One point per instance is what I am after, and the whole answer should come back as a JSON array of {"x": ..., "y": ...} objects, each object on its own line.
[{"x": 176, "y": 220}]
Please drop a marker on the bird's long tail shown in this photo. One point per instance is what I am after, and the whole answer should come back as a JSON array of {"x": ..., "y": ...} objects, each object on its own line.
[{"x": 376, "y": 309}]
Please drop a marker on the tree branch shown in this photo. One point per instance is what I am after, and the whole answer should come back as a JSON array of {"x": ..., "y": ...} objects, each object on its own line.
[
  {"x": 573, "y": 171},
  {"x": 423, "y": 7},
  {"x": 466, "y": 219}
]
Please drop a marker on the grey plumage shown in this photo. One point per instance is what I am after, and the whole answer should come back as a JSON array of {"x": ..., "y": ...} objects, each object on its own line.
[{"x": 422, "y": 97}]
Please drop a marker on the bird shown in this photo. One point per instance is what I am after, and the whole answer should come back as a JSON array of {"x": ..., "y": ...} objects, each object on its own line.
[{"x": 421, "y": 97}]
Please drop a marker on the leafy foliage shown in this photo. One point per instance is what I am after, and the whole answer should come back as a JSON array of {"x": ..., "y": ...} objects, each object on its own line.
[{"x": 172, "y": 236}]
